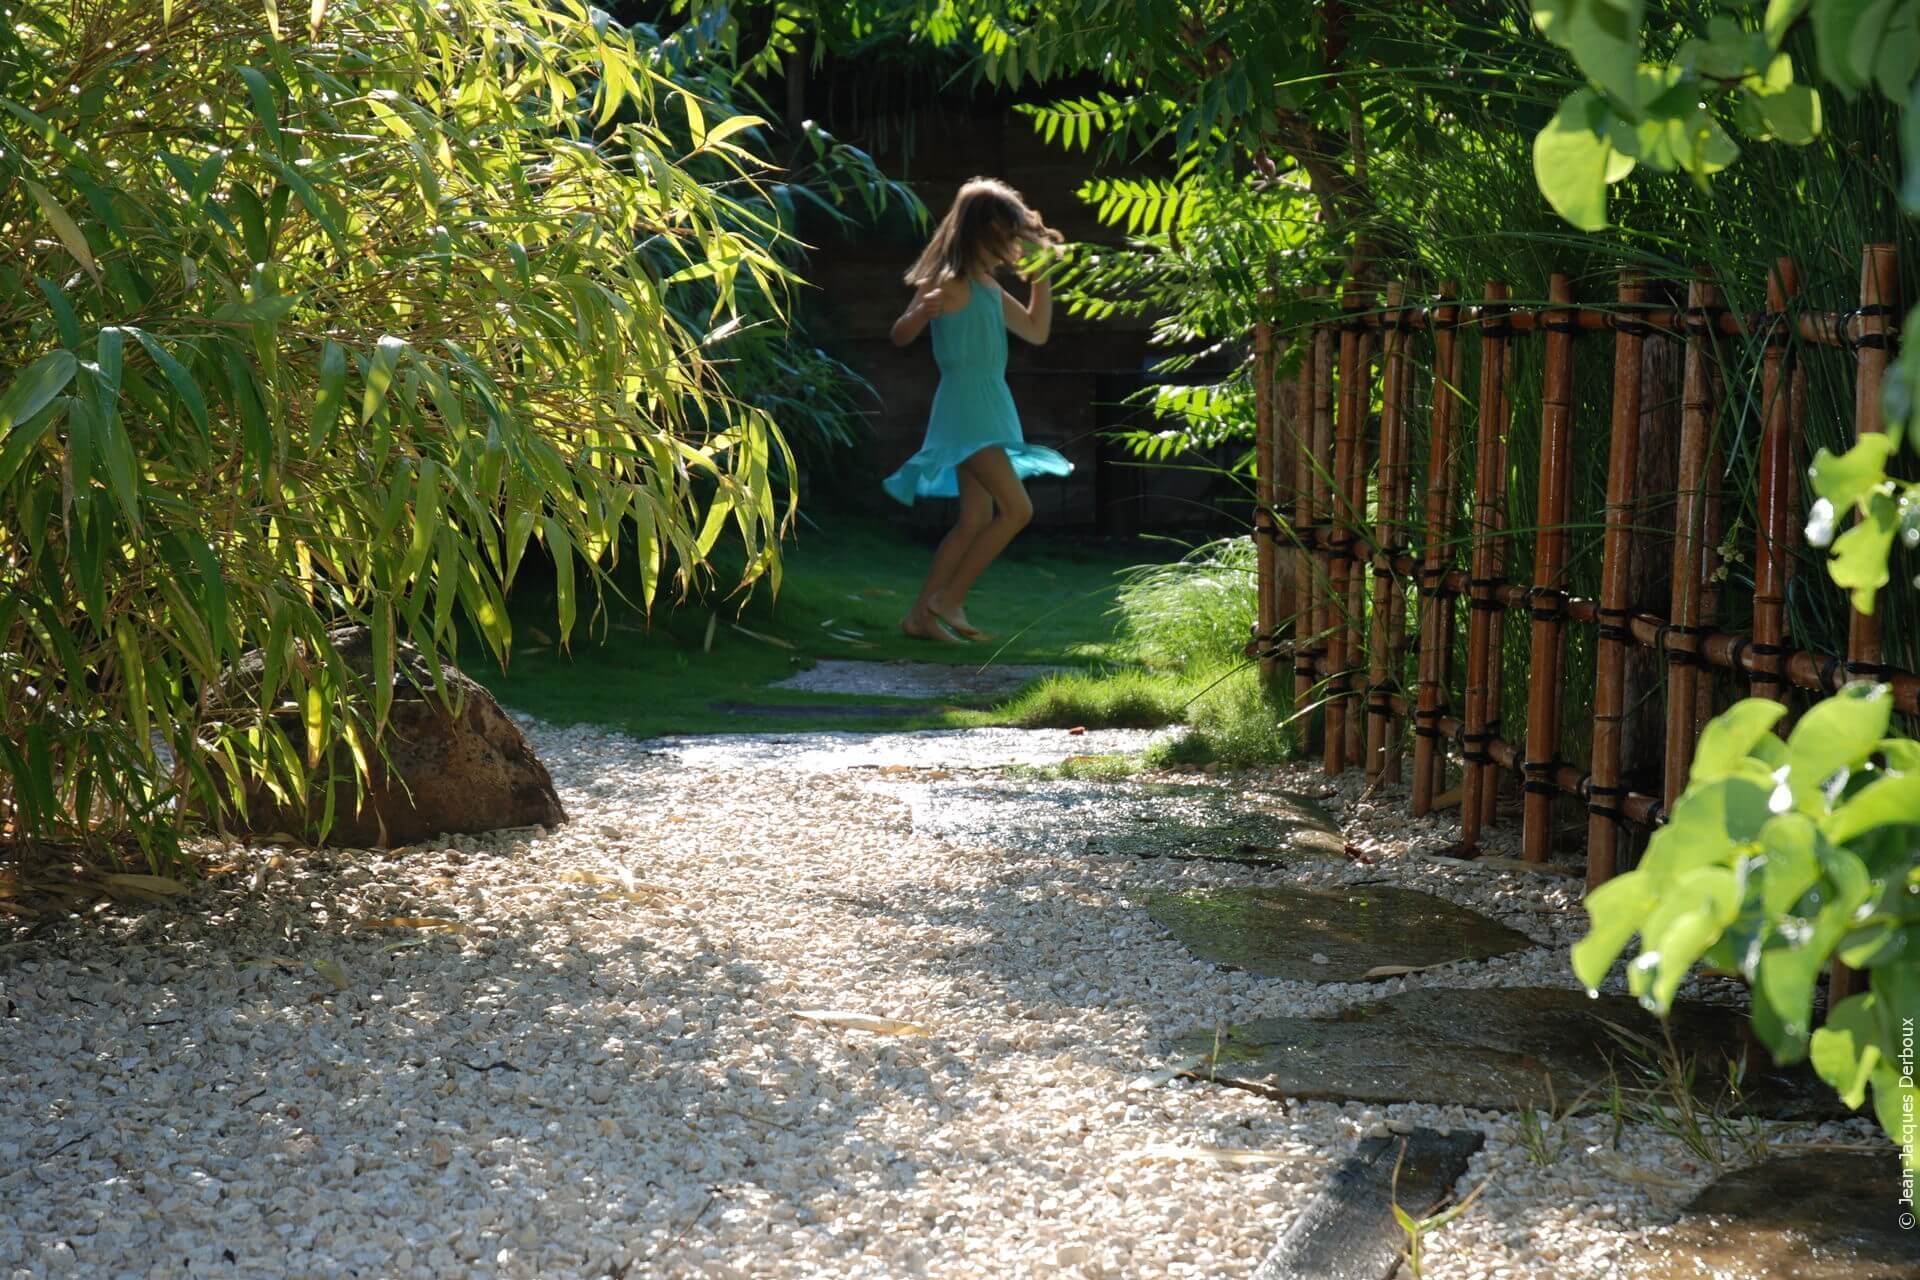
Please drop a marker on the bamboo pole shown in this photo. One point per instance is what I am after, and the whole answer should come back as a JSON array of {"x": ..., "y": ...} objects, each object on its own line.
[
  {"x": 1398, "y": 487},
  {"x": 1615, "y": 642},
  {"x": 1306, "y": 594},
  {"x": 1776, "y": 482},
  {"x": 1265, "y": 532},
  {"x": 1360, "y": 402},
  {"x": 1879, "y": 286},
  {"x": 1323, "y": 612},
  {"x": 1683, "y": 616},
  {"x": 1283, "y": 444},
  {"x": 1483, "y": 620},
  {"x": 1340, "y": 654},
  {"x": 1436, "y": 602},
  {"x": 1496, "y": 653},
  {"x": 1549, "y": 571},
  {"x": 1389, "y": 616}
]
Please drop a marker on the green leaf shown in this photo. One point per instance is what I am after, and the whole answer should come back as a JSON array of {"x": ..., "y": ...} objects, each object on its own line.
[
  {"x": 1781, "y": 15},
  {"x": 1574, "y": 161},
  {"x": 1848, "y": 479},
  {"x": 177, "y": 376},
  {"x": 1792, "y": 115},
  {"x": 33, "y": 389},
  {"x": 264, "y": 107},
  {"x": 1602, "y": 35},
  {"x": 1693, "y": 911},
  {"x": 1708, "y": 822},
  {"x": 65, "y": 227},
  {"x": 1790, "y": 866},
  {"x": 1836, "y": 733},
  {"x": 386, "y": 357},
  {"x": 1616, "y": 909},
  {"x": 1845, "y": 1048},
  {"x": 1886, "y": 802},
  {"x": 332, "y": 393},
  {"x": 1862, "y": 555},
  {"x": 1730, "y": 737},
  {"x": 1838, "y": 28}
]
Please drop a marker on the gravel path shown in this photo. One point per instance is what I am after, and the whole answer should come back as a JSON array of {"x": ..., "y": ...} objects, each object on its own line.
[{"x": 599, "y": 1069}]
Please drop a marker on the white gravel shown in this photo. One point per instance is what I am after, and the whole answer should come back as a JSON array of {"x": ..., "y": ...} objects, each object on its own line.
[{"x": 602, "y": 1074}]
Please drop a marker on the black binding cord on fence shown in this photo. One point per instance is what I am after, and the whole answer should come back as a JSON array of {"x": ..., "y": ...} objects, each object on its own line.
[
  {"x": 1828, "y": 670},
  {"x": 1689, "y": 654},
  {"x": 1539, "y": 777},
  {"x": 1611, "y": 812},
  {"x": 1880, "y": 341},
  {"x": 1737, "y": 653},
  {"x": 1561, "y": 326},
  {"x": 1611, "y": 629},
  {"x": 1775, "y": 325},
  {"x": 1555, "y": 608},
  {"x": 1633, "y": 328},
  {"x": 1504, "y": 329},
  {"x": 1763, "y": 650},
  {"x": 1703, "y": 320},
  {"x": 1482, "y": 594},
  {"x": 1867, "y": 670}
]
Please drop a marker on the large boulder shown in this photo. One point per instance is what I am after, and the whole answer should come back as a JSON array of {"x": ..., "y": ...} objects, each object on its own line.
[{"x": 459, "y": 768}]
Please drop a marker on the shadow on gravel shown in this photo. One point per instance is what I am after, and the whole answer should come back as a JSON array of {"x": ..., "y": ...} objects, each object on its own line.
[{"x": 244, "y": 1081}]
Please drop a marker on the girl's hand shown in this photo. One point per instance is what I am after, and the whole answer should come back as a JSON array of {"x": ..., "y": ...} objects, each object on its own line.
[
  {"x": 933, "y": 302},
  {"x": 1037, "y": 259},
  {"x": 929, "y": 303}
]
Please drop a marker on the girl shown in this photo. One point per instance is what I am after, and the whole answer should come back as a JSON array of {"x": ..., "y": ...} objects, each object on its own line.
[{"x": 974, "y": 449}]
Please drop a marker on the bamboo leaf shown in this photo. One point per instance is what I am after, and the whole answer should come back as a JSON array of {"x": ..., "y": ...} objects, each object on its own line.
[{"x": 66, "y": 228}]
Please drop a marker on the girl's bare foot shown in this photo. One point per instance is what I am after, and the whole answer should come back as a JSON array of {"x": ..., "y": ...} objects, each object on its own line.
[
  {"x": 955, "y": 618},
  {"x": 923, "y": 624}
]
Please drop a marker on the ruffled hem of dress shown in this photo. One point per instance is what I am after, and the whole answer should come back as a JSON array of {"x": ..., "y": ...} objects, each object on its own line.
[{"x": 931, "y": 473}]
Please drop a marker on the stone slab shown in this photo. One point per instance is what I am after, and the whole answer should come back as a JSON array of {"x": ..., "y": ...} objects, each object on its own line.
[
  {"x": 828, "y": 711},
  {"x": 1348, "y": 1231},
  {"x": 1330, "y": 935},
  {"x": 1826, "y": 1215},
  {"x": 1495, "y": 1048},
  {"x": 830, "y": 751},
  {"x": 1134, "y": 819},
  {"x": 923, "y": 680}
]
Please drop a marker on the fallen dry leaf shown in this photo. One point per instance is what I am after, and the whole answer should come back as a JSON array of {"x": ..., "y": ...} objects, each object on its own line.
[
  {"x": 332, "y": 972},
  {"x": 1382, "y": 971},
  {"x": 763, "y": 637},
  {"x": 1077, "y": 730},
  {"x": 160, "y": 886},
  {"x": 862, "y": 1022},
  {"x": 416, "y": 922}
]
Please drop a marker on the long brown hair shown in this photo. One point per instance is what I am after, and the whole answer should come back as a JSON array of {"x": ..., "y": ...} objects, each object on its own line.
[{"x": 988, "y": 217}]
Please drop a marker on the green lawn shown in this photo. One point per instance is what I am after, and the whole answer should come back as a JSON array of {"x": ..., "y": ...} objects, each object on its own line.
[{"x": 845, "y": 587}]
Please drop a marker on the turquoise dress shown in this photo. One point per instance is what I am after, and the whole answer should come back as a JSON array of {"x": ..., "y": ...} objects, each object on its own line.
[{"x": 972, "y": 408}]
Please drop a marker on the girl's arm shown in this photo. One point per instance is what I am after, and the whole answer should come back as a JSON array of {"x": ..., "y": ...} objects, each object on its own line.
[
  {"x": 1034, "y": 321},
  {"x": 928, "y": 302}
]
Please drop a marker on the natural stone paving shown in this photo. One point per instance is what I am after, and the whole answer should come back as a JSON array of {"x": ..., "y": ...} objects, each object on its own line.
[
  {"x": 1338, "y": 935},
  {"x": 1504, "y": 1048},
  {"x": 1824, "y": 1215},
  {"x": 923, "y": 680},
  {"x": 1137, "y": 819}
]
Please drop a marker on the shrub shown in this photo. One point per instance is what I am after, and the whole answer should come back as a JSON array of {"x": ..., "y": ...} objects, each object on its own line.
[{"x": 332, "y": 319}]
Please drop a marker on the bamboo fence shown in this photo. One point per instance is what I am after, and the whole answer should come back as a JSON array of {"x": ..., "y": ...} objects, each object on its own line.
[{"x": 1356, "y": 568}]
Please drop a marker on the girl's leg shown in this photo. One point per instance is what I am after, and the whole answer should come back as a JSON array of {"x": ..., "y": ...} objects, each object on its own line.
[
  {"x": 1014, "y": 511},
  {"x": 976, "y": 513}
]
